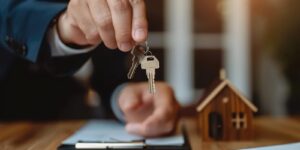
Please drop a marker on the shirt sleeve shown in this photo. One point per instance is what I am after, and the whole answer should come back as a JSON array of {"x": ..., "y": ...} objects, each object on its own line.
[
  {"x": 58, "y": 48},
  {"x": 114, "y": 103}
]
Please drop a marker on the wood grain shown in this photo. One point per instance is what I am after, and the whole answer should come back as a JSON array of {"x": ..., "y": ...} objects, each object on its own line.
[
  {"x": 25, "y": 135},
  {"x": 267, "y": 131},
  {"x": 234, "y": 104},
  {"x": 35, "y": 135}
]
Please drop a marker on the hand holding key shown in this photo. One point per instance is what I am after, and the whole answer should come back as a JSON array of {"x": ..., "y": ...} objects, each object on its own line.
[{"x": 116, "y": 23}]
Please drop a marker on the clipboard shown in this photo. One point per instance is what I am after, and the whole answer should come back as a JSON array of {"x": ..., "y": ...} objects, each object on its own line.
[
  {"x": 122, "y": 146},
  {"x": 142, "y": 144},
  {"x": 186, "y": 146}
]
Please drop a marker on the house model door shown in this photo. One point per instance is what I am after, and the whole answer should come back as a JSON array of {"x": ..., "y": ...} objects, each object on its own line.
[{"x": 215, "y": 125}]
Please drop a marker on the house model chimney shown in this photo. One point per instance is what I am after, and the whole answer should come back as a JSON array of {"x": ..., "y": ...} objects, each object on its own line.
[{"x": 222, "y": 74}]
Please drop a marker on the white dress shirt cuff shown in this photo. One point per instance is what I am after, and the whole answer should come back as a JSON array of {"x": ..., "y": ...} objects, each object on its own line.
[
  {"x": 58, "y": 48},
  {"x": 115, "y": 105}
]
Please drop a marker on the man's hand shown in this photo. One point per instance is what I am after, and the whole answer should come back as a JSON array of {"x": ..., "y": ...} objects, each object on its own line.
[
  {"x": 147, "y": 114},
  {"x": 117, "y": 23}
]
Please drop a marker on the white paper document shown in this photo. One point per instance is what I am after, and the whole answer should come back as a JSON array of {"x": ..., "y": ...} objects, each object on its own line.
[
  {"x": 113, "y": 131},
  {"x": 292, "y": 146}
]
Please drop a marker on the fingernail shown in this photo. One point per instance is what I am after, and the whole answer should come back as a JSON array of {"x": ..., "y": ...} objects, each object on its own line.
[
  {"x": 125, "y": 46},
  {"x": 139, "y": 34}
]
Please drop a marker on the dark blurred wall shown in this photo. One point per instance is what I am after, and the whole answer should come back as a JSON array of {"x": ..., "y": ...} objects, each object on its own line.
[{"x": 278, "y": 34}]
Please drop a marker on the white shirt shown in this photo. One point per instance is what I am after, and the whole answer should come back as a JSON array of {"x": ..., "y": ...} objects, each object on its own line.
[{"x": 58, "y": 48}]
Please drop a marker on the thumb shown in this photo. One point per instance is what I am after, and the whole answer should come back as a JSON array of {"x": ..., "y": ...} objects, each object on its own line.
[{"x": 134, "y": 128}]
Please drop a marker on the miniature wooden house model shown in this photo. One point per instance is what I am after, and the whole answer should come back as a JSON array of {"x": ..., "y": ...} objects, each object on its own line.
[{"x": 225, "y": 114}]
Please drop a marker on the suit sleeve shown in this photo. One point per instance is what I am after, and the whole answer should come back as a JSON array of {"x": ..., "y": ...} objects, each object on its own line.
[{"x": 24, "y": 25}]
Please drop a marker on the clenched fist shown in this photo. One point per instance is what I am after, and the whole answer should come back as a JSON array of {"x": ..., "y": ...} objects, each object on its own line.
[{"x": 116, "y": 23}]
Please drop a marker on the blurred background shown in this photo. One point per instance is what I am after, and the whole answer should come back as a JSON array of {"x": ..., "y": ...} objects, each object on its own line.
[{"x": 256, "y": 41}]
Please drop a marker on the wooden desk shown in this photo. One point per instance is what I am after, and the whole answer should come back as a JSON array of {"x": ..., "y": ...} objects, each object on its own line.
[{"x": 48, "y": 135}]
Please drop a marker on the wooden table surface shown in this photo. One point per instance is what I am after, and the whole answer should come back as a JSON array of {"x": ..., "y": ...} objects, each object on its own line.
[{"x": 48, "y": 135}]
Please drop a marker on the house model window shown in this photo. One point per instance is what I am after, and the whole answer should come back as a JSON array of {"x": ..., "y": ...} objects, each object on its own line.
[{"x": 239, "y": 120}]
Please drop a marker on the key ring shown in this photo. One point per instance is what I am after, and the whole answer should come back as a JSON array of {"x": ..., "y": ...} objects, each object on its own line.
[
  {"x": 147, "y": 51},
  {"x": 145, "y": 47}
]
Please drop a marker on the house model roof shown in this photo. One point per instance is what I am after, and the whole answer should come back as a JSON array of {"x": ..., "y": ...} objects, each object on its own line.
[{"x": 217, "y": 89}]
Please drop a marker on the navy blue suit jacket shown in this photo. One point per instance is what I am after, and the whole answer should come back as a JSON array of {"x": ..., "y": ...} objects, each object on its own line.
[{"x": 35, "y": 85}]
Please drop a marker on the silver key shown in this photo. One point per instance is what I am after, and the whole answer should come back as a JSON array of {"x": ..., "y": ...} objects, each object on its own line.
[
  {"x": 150, "y": 63},
  {"x": 138, "y": 53}
]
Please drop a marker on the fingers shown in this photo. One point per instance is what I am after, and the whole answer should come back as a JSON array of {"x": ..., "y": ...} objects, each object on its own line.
[
  {"x": 129, "y": 99},
  {"x": 139, "y": 20},
  {"x": 81, "y": 14},
  {"x": 129, "y": 104},
  {"x": 132, "y": 106},
  {"x": 103, "y": 20},
  {"x": 69, "y": 32},
  {"x": 121, "y": 17},
  {"x": 118, "y": 23}
]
